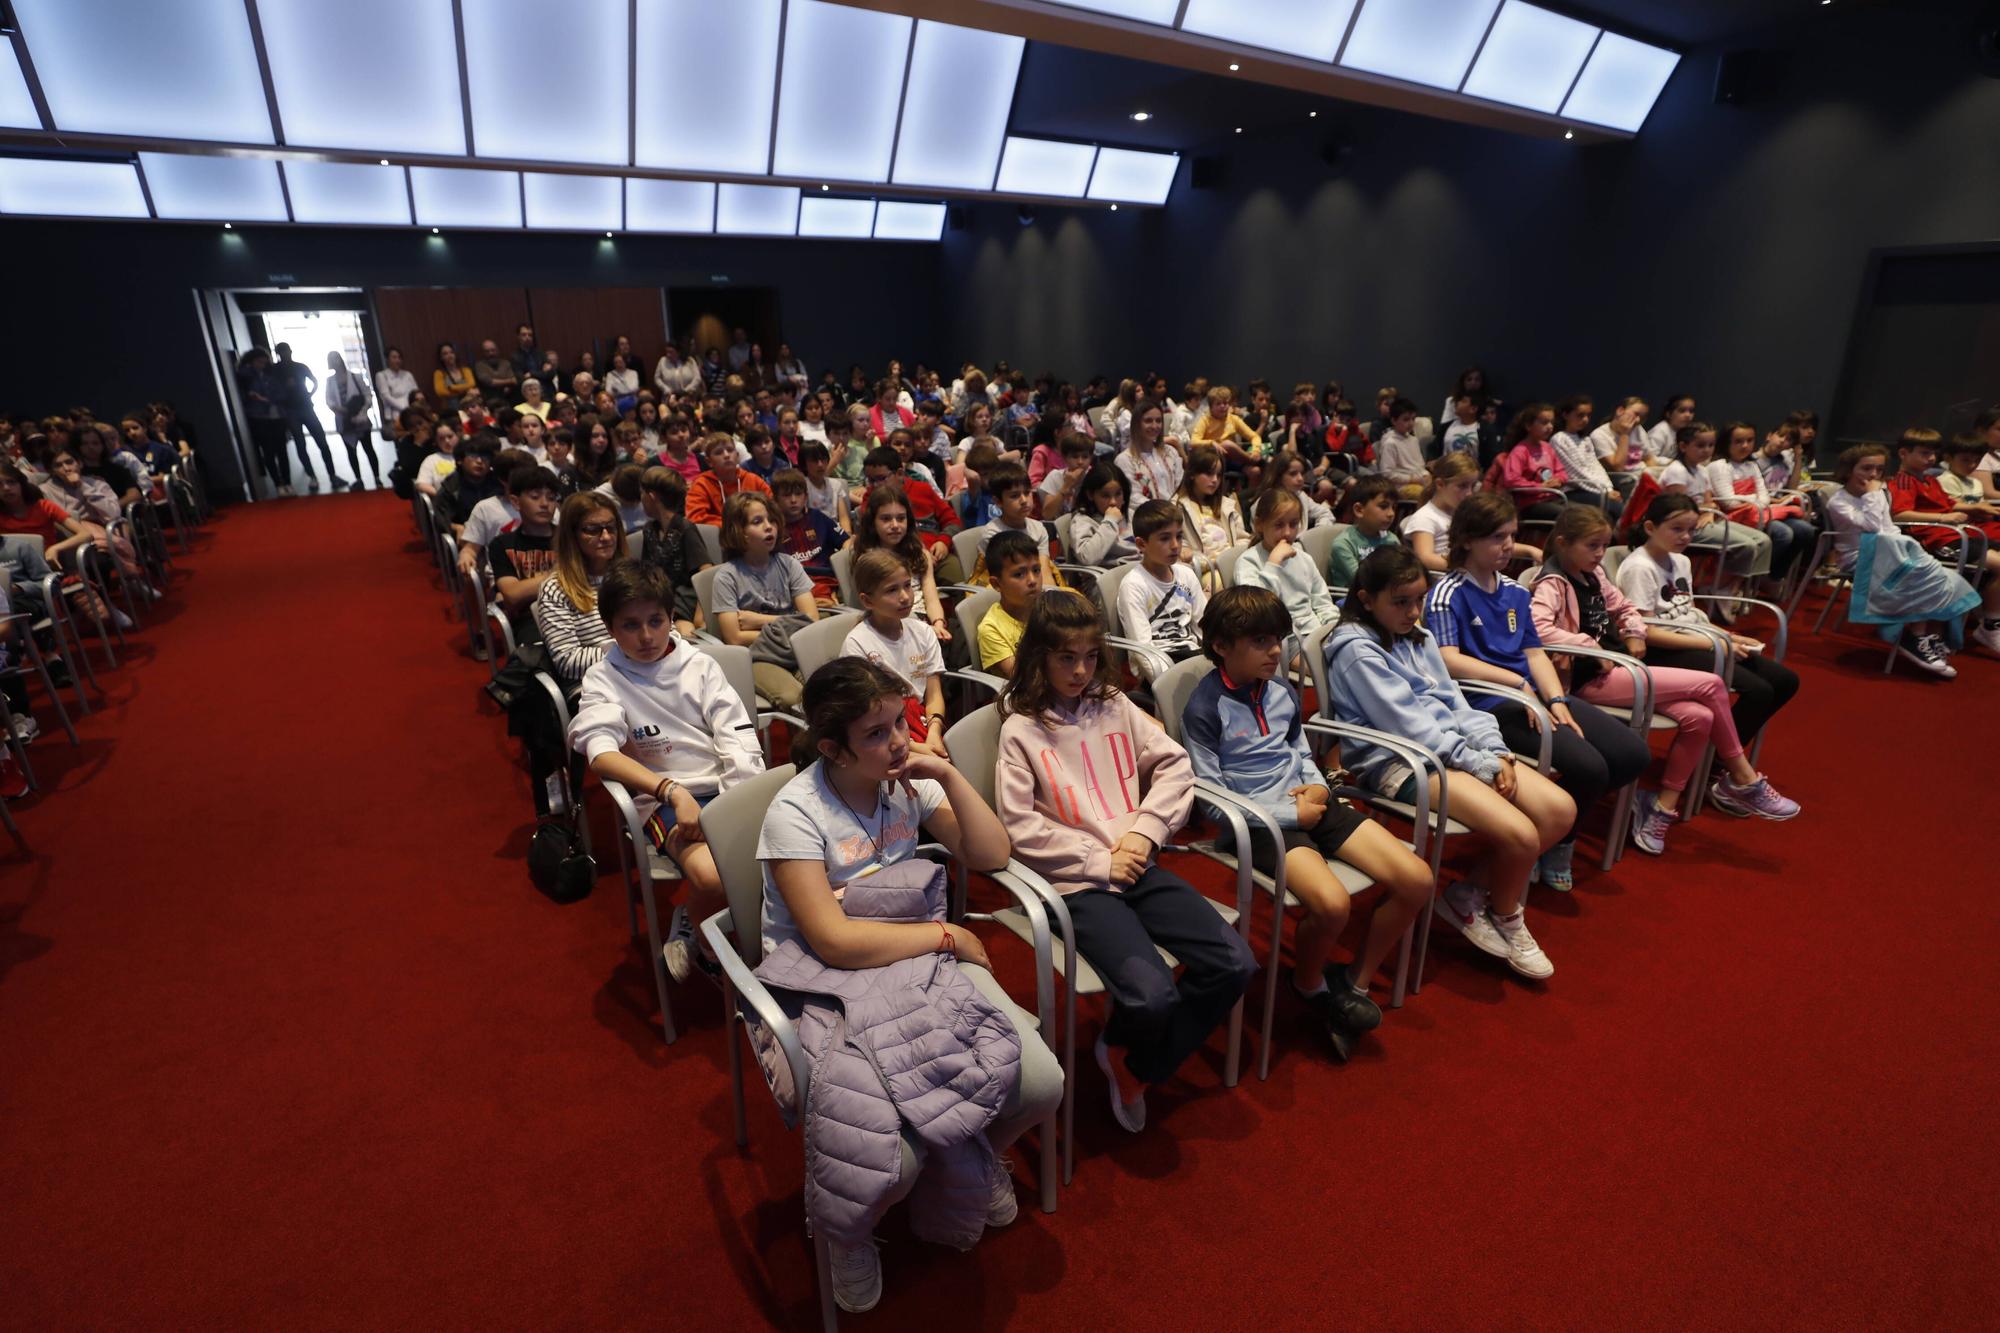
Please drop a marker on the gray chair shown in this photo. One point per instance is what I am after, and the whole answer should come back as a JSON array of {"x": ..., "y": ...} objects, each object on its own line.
[
  {"x": 731, "y": 825},
  {"x": 843, "y": 574},
  {"x": 1152, "y": 663},
  {"x": 711, "y": 539},
  {"x": 972, "y": 609},
  {"x": 820, "y": 643},
  {"x": 635, "y": 543},
  {"x": 1318, "y": 543},
  {"x": 965, "y": 544},
  {"x": 1225, "y": 564},
  {"x": 974, "y": 742}
]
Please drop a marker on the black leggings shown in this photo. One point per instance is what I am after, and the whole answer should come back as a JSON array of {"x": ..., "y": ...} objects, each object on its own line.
[
  {"x": 1762, "y": 686},
  {"x": 1608, "y": 755},
  {"x": 298, "y": 426},
  {"x": 360, "y": 445},
  {"x": 268, "y": 435}
]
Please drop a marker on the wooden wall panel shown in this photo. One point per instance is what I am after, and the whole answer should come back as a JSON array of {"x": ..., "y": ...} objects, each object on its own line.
[
  {"x": 417, "y": 319},
  {"x": 573, "y": 320}
]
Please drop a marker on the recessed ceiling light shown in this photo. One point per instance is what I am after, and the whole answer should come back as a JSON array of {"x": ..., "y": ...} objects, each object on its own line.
[
  {"x": 434, "y": 231},
  {"x": 1114, "y": 208},
  {"x": 1312, "y": 115},
  {"x": 607, "y": 235},
  {"x": 1142, "y": 115},
  {"x": 385, "y": 161},
  {"x": 1239, "y": 129},
  {"x": 824, "y": 188},
  {"x": 229, "y": 226},
  {"x": 1569, "y": 134},
  {"x": 1234, "y": 66}
]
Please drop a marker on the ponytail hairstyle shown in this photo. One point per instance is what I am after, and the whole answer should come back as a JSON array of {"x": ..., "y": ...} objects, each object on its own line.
[
  {"x": 1054, "y": 618},
  {"x": 1383, "y": 568},
  {"x": 1202, "y": 460},
  {"x": 1663, "y": 507},
  {"x": 1574, "y": 524},
  {"x": 1524, "y": 421},
  {"x": 838, "y": 695},
  {"x": 1689, "y": 432},
  {"x": 1450, "y": 467},
  {"x": 1482, "y": 515}
]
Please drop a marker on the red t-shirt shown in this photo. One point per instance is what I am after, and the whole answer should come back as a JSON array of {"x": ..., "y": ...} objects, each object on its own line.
[
  {"x": 1910, "y": 494},
  {"x": 43, "y": 519}
]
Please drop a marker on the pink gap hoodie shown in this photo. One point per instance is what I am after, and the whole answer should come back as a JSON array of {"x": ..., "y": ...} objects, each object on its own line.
[{"x": 1067, "y": 791}]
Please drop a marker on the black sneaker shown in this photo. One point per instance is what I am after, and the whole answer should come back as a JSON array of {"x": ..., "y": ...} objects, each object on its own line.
[
  {"x": 1326, "y": 1008},
  {"x": 1361, "y": 1013}
]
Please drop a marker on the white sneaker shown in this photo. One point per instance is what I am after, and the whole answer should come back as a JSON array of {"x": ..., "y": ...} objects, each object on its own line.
[
  {"x": 26, "y": 728},
  {"x": 120, "y": 619},
  {"x": 1001, "y": 1207},
  {"x": 1463, "y": 906},
  {"x": 857, "y": 1276},
  {"x": 679, "y": 948},
  {"x": 1987, "y": 636},
  {"x": 286, "y": 490},
  {"x": 1523, "y": 954}
]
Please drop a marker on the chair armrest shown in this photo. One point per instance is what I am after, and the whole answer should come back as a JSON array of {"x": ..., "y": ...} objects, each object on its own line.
[
  {"x": 753, "y": 992},
  {"x": 1642, "y": 679},
  {"x": 1231, "y": 808},
  {"x": 1240, "y": 812},
  {"x": 1967, "y": 534},
  {"x": 1777, "y": 615},
  {"x": 1020, "y": 884},
  {"x": 628, "y": 812},
  {"x": 555, "y": 693},
  {"x": 1544, "y": 757},
  {"x": 1718, "y": 638},
  {"x": 1157, "y": 662},
  {"x": 1429, "y": 823},
  {"x": 983, "y": 680}
]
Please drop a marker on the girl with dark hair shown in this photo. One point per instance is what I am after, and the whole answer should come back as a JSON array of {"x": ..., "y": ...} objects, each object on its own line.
[
  {"x": 884, "y": 520},
  {"x": 1385, "y": 672},
  {"x": 862, "y": 795},
  {"x": 1092, "y": 788},
  {"x": 1101, "y": 532},
  {"x": 1485, "y": 631}
]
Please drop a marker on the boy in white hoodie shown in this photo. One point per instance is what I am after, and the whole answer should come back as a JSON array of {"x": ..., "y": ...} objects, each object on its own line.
[{"x": 660, "y": 716}]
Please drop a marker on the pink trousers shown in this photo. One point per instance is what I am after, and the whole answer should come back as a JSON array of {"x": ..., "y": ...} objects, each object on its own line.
[{"x": 1697, "y": 700}]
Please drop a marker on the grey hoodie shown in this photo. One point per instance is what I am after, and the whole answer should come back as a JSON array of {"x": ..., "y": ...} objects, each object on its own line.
[{"x": 1405, "y": 690}]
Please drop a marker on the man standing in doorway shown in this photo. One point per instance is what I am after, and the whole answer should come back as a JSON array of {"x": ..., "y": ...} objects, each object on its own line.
[{"x": 298, "y": 385}]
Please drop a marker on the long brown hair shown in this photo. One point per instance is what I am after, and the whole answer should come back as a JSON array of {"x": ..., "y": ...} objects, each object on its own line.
[
  {"x": 1483, "y": 514},
  {"x": 572, "y": 570},
  {"x": 866, "y": 539},
  {"x": 838, "y": 695},
  {"x": 1054, "y": 617}
]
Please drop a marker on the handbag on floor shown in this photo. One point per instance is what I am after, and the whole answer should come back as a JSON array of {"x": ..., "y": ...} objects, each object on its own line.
[{"x": 559, "y": 867}]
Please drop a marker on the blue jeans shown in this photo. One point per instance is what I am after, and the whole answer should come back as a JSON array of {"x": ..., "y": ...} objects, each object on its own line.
[
  {"x": 1791, "y": 538},
  {"x": 22, "y": 562}
]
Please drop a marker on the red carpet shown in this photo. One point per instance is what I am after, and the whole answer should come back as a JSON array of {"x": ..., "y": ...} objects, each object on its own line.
[{"x": 289, "y": 1041}]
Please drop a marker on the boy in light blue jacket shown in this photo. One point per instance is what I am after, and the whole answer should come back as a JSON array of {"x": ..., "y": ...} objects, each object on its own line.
[{"x": 1385, "y": 672}]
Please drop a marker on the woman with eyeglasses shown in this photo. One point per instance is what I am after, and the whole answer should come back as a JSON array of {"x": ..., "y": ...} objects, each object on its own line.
[{"x": 590, "y": 536}]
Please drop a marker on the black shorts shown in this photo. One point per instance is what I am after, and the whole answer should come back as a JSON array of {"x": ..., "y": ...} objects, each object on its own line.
[{"x": 1327, "y": 837}]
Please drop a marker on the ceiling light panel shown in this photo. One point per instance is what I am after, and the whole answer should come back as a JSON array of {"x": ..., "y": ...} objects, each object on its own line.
[
  {"x": 574, "y": 203},
  {"x": 955, "y": 106},
  {"x": 1424, "y": 41},
  {"x": 820, "y": 216},
  {"x": 834, "y": 121},
  {"x": 550, "y": 83},
  {"x": 1133, "y": 177},
  {"x": 17, "y": 108},
  {"x": 198, "y": 188},
  {"x": 1530, "y": 58},
  {"x": 757, "y": 210},
  {"x": 710, "y": 112},
  {"x": 340, "y": 85},
  {"x": 348, "y": 192},
  {"x": 1146, "y": 11},
  {"x": 686, "y": 206},
  {"x": 898, "y": 221},
  {"x": 1621, "y": 82},
  {"x": 1310, "y": 28},
  {"x": 70, "y": 189},
  {"x": 1045, "y": 166},
  {"x": 459, "y": 197},
  {"x": 167, "y": 69}
]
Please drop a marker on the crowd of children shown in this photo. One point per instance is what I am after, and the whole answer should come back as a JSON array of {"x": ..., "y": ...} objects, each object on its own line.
[{"x": 1391, "y": 548}]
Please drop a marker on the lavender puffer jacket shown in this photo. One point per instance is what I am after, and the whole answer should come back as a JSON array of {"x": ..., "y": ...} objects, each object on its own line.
[{"x": 911, "y": 1050}]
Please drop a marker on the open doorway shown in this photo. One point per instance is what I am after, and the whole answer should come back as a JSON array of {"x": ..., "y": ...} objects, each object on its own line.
[
  {"x": 314, "y": 336},
  {"x": 711, "y": 316}
]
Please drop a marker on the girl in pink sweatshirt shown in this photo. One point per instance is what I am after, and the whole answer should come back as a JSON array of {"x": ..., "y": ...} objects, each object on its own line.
[
  {"x": 1090, "y": 787},
  {"x": 1531, "y": 470},
  {"x": 1574, "y": 603}
]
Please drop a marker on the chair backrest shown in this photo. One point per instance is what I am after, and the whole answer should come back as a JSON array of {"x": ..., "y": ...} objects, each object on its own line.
[
  {"x": 966, "y": 544},
  {"x": 731, "y": 825},
  {"x": 1062, "y": 524},
  {"x": 1172, "y": 690},
  {"x": 969, "y": 612},
  {"x": 974, "y": 742},
  {"x": 635, "y": 543},
  {"x": 843, "y": 573},
  {"x": 1614, "y": 556},
  {"x": 711, "y": 538},
  {"x": 736, "y": 665},
  {"x": 1314, "y": 651},
  {"x": 1226, "y": 564},
  {"x": 1098, "y": 416},
  {"x": 816, "y": 645},
  {"x": 1318, "y": 543},
  {"x": 704, "y": 597},
  {"x": 1108, "y": 584}
]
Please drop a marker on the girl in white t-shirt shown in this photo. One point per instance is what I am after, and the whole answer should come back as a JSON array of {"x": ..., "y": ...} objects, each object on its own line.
[
  {"x": 1696, "y": 474},
  {"x": 862, "y": 795},
  {"x": 1428, "y": 530},
  {"x": 890, "y": 637},
  {"x": 1212, "y": 521},
  {"x": 1152, "y": 465},
  {"x": 1987, "y": 427}
]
